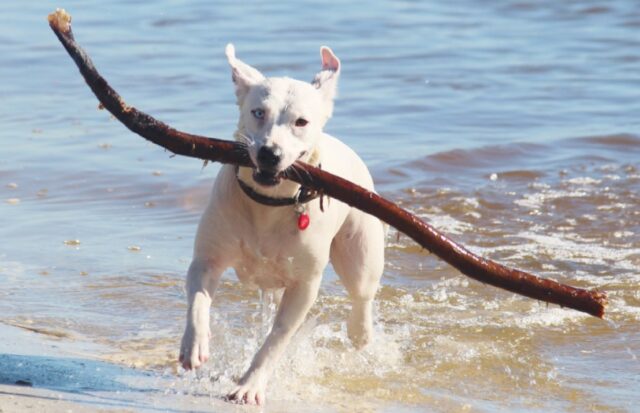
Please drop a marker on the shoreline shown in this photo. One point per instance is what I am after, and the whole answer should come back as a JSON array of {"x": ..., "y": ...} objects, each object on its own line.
[{"x": 39, "y": 374}]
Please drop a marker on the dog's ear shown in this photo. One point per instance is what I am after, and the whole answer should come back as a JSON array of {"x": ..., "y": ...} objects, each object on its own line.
[
  {"x": 243, "y": 75},
  {"x": 327, "y": 79}
]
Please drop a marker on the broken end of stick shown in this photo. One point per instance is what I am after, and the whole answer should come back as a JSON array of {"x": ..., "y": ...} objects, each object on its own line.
[
  {"x": 60, "y": 20},
  {"x": 601, "y": 298}
]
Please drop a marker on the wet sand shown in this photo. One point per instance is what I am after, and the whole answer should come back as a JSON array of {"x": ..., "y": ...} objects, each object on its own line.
[{"x": 38, "y": 374}]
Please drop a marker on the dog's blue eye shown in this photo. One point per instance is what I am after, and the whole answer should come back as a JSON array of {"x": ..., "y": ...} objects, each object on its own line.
[{"x": 258, "y": 113}]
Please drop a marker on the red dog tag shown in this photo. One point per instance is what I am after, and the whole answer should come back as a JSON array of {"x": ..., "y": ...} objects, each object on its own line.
[{"x": 303, "y": 221}]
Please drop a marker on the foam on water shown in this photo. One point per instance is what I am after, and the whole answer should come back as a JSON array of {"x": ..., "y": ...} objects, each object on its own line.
[{"x": 536, "y": 200}]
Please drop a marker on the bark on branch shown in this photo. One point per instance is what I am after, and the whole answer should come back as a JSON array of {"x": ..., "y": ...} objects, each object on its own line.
[{"x": 484, "y": 270}]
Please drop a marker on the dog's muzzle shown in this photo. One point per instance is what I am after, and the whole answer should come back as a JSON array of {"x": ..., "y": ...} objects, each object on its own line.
[
  {"x": 267, "y": 173},
  {"x": 269, "y": 157}
]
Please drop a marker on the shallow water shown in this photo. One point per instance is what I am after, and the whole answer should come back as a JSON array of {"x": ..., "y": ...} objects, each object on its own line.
[{"x": 512, "y": 126}]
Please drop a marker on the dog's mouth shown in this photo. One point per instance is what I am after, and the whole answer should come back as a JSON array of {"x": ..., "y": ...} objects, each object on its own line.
[{"x": 266, "y": 178}]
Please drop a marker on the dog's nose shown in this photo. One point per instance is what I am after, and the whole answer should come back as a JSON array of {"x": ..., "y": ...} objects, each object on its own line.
[{"x": 269, "y": 157}]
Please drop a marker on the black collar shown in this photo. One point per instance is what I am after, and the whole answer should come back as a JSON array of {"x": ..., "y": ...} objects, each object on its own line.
[{"x": 303, "y": 196}]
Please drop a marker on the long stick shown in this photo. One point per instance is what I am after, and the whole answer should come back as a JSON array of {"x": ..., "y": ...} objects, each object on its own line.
[{"x": 181, "y": 143}]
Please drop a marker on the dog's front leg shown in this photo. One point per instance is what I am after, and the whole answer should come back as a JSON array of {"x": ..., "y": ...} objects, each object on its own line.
[
  {"x": 202, "y": 280},
  {"x": 295, "y": 304}
]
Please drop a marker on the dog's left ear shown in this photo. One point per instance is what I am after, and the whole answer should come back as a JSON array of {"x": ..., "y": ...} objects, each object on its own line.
[{"x": 326, "y": 81}]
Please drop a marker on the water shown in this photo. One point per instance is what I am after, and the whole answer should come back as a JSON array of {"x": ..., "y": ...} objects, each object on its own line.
[{"x": 513, "y": 126}]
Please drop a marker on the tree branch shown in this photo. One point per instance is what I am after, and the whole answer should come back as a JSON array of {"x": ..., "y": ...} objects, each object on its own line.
[{"x": 181, "y": 143}]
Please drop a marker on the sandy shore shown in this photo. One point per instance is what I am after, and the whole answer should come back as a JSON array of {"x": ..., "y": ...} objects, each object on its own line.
[{"x": 39, "y": 374}]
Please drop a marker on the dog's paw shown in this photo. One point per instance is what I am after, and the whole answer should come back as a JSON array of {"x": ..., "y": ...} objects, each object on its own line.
[
  {"x": 360, "y": 329},
  {"x": 249, "y": 392},
  {"x": 194, "y": 350},
  {"x": 359, "y": 337}
]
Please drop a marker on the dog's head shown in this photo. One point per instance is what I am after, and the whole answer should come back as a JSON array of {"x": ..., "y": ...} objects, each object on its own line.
[{"x": 281, "y": 119}]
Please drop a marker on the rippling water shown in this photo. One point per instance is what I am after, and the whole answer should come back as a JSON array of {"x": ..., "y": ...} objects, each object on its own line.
[{"x": 511, "y": 125}]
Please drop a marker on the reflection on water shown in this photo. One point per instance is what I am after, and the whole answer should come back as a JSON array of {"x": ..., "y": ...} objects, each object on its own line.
[{"x": 512, "y": 126}]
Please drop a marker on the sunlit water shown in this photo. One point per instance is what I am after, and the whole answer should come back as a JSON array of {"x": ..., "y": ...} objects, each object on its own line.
[{"x": 512, "y": 126}]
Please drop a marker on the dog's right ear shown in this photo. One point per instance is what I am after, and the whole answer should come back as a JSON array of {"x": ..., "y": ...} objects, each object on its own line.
[{"x": 243, "y": 75}]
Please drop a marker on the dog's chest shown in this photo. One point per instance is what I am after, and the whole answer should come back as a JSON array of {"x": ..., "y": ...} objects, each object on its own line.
[{"x": 274, "y": 261}]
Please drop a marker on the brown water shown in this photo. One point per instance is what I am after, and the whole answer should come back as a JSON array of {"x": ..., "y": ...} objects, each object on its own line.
[{"x": 513, "y": 127}]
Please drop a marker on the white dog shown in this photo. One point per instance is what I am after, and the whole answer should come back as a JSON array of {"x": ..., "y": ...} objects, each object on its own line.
[{"x": 276, "y": 234}]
